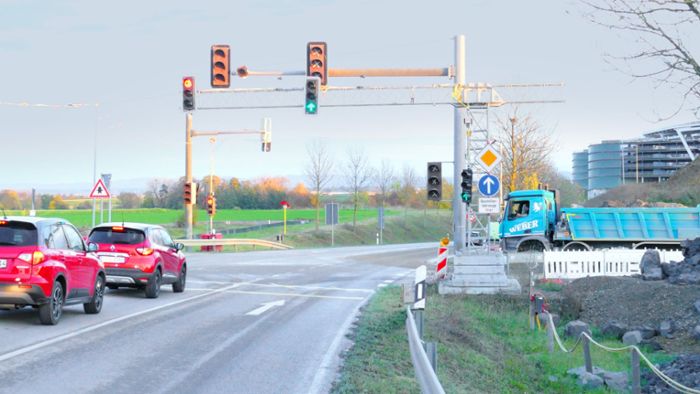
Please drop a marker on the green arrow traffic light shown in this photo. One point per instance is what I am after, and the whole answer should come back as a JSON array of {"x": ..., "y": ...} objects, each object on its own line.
[{"x": 311, "y": 107}]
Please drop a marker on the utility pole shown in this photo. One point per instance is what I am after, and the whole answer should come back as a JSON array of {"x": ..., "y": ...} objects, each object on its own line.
[
  {"x": 188, "y": 173},
  {"x": 458, "y": 207}
]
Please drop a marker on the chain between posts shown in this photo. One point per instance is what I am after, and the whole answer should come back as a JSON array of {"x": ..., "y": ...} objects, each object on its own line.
[{"x": 635, "y": 352}]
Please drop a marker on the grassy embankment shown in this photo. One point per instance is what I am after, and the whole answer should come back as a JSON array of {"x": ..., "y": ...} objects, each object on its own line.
[
  {"x": 484, "y": 345},
  {"x": 400, "y": 226}
]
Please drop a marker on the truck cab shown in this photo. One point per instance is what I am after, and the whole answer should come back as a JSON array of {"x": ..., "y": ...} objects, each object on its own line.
[{"x": 528, "y": 220}]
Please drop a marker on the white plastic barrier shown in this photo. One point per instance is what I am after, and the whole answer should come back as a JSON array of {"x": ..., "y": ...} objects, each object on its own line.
[{"x": 612, "y": 262}]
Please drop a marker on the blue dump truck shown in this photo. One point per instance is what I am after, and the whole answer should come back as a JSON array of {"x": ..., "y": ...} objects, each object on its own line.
[{"x": 534, "y": 220}]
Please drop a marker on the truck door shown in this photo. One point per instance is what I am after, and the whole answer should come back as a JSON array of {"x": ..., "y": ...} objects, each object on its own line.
[{"x": 525, "y": 216}]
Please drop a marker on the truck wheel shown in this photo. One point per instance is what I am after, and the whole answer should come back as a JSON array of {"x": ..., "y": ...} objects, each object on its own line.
[
  {"x": 531, "y": 246},
  {"x": 50, "y": 313}
]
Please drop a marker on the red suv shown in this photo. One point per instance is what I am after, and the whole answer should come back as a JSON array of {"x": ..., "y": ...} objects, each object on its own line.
[
  {"x": 44, "y": 263},
  {"x": 141, "y": 256}
]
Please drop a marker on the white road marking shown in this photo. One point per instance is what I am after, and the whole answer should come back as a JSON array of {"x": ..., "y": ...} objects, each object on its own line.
[
  {"x": 82, "y": 331},
  {"x": 266, "y": 306},
  {"x": 286, "y": 286},
  {"x": 285, "y": 294}
]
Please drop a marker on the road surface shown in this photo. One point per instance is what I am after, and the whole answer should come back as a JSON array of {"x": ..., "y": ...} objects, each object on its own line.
[{"x": 259, "y": 322}]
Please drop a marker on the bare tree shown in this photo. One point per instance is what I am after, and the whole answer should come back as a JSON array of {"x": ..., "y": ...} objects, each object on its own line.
[
  {"x": 526, "y": 150},
  {"x": 383, "y": 178},
  {"x": 318, "y": 173},
  {"x": 407, "y": 189},
  {"x": 357, "y": 173},
  {"x": 661, "y": 27}
]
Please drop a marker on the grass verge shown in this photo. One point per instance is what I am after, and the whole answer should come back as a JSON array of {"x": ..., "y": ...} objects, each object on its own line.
[{"x": 484, "y": 345}]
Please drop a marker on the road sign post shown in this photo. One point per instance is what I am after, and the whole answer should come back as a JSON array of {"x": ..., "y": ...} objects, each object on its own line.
[{"x": 332, "y": 218}]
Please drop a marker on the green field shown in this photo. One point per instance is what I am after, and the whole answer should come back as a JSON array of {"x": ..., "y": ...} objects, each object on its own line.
[{"x": 82, "y": 218}]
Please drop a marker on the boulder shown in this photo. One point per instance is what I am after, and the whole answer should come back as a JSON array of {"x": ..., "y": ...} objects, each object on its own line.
[
  {"x": 646, "y": 330},
  {"x": 697, "y": 306},
  {"x": 691, "y": 247},
  {"x": 666, "y": 328},
  {"x": 695, "y": 260},
  {"x": 614, "y": 329},
  {"x": 575, "y": 328},
  {"x": 590, "y": 381},
  {"x": 667, "y": 269},
  {"x": 616, "y": 381},
  {"x": 632, "y": 338},
  {"x": 650, "y": 260},
  {"x": 655, "y": 273},
  {"x": 651, "y": 344},
  {"x": 696, "y": 332},
  {"x": 689, "y": 278}
]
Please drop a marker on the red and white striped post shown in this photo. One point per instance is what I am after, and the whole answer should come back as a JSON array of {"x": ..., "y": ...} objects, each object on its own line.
[{"x": 441, "y": 269}]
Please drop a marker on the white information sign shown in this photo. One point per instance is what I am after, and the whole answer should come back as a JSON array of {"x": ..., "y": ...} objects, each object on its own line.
[{"x": 489, "y": 205}]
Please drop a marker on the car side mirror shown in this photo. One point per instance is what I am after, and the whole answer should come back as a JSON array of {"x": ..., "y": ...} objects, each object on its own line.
[
  {"x": 92, "y": 247},
  {"x": 179, "y": 246}
]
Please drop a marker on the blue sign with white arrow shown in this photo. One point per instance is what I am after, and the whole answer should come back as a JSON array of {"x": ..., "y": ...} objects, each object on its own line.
[{"x": 489, "y": 185}]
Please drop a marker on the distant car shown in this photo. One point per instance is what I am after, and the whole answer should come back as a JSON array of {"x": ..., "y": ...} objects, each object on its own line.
[
  {"x": 141, "y": 256},
  {"x": 476, "y": 238},
  {"x": 45, "y": 264}
]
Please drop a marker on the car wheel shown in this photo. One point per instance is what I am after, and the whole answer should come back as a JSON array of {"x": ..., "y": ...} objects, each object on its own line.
[
  {"x": 95, "y": 305},
  {"x": 179, "y": 286},
  {"x": 153, "y": 286},
  {"x": 50, "y": 313}
]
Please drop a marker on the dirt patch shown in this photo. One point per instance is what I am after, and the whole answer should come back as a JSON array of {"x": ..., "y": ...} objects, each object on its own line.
[{"x": 597, "y": 300}]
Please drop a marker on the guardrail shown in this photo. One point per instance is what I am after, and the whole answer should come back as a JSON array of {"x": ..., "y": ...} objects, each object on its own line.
[
  {"x": 425, "y": 374},
  {"x": 234, "y": 242}
]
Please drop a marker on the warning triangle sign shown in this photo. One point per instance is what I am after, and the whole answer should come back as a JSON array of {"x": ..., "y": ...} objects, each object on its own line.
[{"x": 99, "y": 190}]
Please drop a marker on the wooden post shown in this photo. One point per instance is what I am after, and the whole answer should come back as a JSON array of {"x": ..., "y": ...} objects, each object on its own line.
[
  {"x": 636, "y": 382},
  {"x": 587, "y": 354},
  {"x": 550, "y": 333}
]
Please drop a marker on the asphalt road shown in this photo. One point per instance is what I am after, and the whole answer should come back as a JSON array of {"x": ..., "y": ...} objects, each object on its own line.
[{"x": 259, "y": 322}]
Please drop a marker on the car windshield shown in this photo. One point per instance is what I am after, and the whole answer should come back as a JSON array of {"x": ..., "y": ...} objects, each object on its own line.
[
  {"x": 17, "y": 233},
  {"x": 110, "y": 235}
]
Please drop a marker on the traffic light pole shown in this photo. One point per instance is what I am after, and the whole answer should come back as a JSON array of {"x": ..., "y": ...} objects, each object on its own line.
[
  {"x": 458, "y": 207},
  {"x": 188, "y": 174}
]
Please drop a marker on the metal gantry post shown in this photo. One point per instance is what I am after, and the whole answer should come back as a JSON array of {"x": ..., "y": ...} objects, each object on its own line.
[
  {"x": 188, "y": 174},
  {"x": 458, "y": 207}
]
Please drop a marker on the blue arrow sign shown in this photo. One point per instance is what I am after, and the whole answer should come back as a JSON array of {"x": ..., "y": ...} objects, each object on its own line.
[{"x": 489, "y": 185}]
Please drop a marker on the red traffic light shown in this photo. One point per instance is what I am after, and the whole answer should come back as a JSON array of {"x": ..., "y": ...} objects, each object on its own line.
[
  {"x": 220, "y": 66},
  {"x": 316, "y": 61}
]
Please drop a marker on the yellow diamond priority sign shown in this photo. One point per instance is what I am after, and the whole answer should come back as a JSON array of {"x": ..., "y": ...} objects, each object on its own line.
[{"x": 488, "y": 158}]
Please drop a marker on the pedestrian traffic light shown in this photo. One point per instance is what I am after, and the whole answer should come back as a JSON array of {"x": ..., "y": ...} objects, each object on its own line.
[
  {"x": 188, "y": 94},
  {"x": 220, "y": 66},
  {"x": 434, "y": 179},
  {"x": 467, "y": 175},
  {"x": 316, "y": 65},
  {"x": 211, "y": 205},
  {"x": 312, "y": 90}
]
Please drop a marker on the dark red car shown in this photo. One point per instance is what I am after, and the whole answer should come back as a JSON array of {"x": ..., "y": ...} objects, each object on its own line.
[
  {"x": 45, "y": 264},
  {"x": 141, "y": 256}
]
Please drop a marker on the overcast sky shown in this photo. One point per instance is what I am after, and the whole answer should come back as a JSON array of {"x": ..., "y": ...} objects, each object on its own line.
[{"x": 130, "y": 57}]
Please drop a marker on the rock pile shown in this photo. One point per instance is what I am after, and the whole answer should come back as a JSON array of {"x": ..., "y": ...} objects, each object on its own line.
[
  {"x": 685, "y": 370},
  {"x": 685, "y": 272}
]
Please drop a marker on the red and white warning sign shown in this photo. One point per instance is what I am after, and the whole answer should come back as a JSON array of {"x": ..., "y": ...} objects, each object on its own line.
[
  {"x": 442, "y": 262},
  {"x": 99, "y": 190}
]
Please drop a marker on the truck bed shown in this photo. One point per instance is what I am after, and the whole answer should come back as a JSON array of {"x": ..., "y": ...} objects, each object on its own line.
[{"x": 632, "y": 224}]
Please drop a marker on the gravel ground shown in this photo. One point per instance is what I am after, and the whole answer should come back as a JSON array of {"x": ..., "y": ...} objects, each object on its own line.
[
  {"x": 684, "y": 370},
  {"x": 597, "y": 300}
]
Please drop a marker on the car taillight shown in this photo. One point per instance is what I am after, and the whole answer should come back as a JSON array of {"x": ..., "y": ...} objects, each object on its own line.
[
  {"x": 33, "y": 258},
  {"x": 144, "y": 251}
]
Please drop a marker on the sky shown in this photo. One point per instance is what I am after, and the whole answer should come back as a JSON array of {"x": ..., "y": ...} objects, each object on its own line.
[{"x": 129, "y": 57}]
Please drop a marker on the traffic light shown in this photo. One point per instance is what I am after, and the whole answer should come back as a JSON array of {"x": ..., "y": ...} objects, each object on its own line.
[
  {"x": 316, "y": 65},
  {"x": 188, "y": 93},
  {"x": 211, "y": 205},
  {"x": 266, "y": 141},
  {"x": 312, "y": 89},
  {"x": 190, "y": 193},
  {"x": 220, "y": 66},
  {"x": 434, "y": 179},
  {"x": 467, "y": 175}
]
